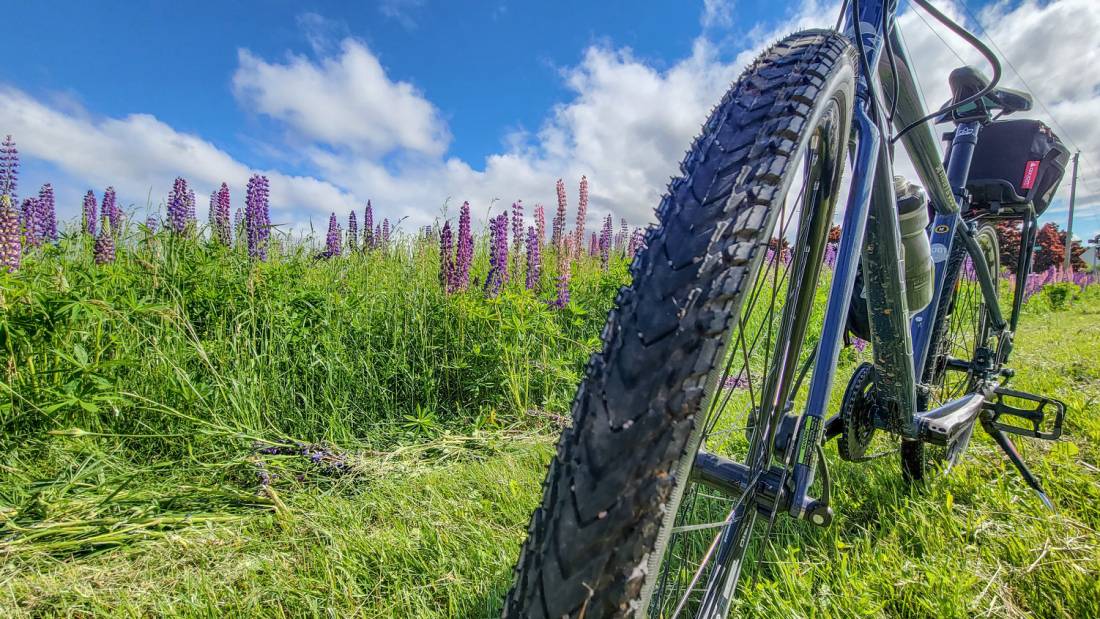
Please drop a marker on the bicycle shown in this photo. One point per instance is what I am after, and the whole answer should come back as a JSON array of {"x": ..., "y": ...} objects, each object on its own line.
[{"x": 704, "y": 417}]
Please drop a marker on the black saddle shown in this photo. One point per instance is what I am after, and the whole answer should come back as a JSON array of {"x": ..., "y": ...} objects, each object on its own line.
[{"x": 968, "y": 81}]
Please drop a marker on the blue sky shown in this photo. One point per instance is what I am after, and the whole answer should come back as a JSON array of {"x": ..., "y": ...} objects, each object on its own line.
[{"x": 412, "y": 102}]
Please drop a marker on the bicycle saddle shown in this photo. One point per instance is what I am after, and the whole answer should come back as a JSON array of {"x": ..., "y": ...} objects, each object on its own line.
[{"x": 968, "y": 81}]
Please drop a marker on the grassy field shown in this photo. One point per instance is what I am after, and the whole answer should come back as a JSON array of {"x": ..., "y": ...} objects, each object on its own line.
[{"x": 405, "y": 432}]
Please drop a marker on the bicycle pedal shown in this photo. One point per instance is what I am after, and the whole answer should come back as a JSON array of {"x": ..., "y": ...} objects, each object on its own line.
[{"x": 1030, "y": 421}]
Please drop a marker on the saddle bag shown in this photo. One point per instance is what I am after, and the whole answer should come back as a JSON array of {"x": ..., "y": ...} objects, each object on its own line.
[{"x": 1016, "y": 162}]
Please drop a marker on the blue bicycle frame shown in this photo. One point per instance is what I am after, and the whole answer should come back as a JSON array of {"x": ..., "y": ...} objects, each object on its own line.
[{"x": 871, "y": 234}]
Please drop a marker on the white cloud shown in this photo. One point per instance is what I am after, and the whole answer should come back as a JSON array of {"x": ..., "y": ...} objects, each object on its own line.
[
  {"x": 139, "y": 153},
  {"x": 346, "y": 101},
  {"x": 717, "y": 14}
]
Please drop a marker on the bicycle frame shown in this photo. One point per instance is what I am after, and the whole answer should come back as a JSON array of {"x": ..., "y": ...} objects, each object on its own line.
[{"x": 871, "y": 234}]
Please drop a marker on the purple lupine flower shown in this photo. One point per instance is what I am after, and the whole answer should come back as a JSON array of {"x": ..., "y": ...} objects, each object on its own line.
[
  {"x": 48, "y": 212},
  {"x": 859, "y": 344},
  {"x": 517, "y": 226},
  {"x": 637, "y": 242},
  {"x": 464, "y": 252},
  {"x": 111, "y": 210},
  {"x": 540, "y": 224},
  {"x": 830, "y": 255},
  {"x": 104, "y": 248},
  {"x": 257, "y": 217},
  {"x": 741, "y": 381},
  {"x": 498, "y": 255},
  {"x": 605, "y": 243},
  {"x": 219, "y": 216},
  {"x": 31, "y": 222},
  {"x": 582, "y": 208},
  {"x": 370, "y": 239},
  {"x": 386, "y": 233},
  {"x": 968, "y": 270},
  {"x": 90, "y": 214},
  {"x": 563, "y": 275},
  {"x": 534, "y": 261},
  {"x": 11, "y": 250},
  {"x": 332, "y": 239},
  {"x": 558, "y": 238},
  {"x": 9, "y": 169},
  {"x": 180, "y": 206},
  {"x": 353, "y": 233},
  {"x": 624, "y": 233},
  {"x": 238, "y": 225},
  {"x": 593, "y": 246},
  {"x": 377, "y": 237},
  {"x": 151, "y": 224},
  {"x": 447, "y": 267}
]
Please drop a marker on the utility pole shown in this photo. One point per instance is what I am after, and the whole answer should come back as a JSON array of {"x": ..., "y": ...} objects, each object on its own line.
[{"x": 1069, "y": 225}]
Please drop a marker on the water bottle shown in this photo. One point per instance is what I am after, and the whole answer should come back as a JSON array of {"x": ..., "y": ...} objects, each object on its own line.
[{"x": 917, "y": 250}]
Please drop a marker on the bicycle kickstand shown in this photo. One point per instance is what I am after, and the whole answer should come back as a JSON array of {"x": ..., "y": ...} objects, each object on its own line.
[{"x": 1009, "y": 448}]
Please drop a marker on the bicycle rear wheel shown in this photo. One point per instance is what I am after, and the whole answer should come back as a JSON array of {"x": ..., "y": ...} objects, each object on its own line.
[
  {"x": 963, "y": 331},
  {"x": 715, "y": 331}
]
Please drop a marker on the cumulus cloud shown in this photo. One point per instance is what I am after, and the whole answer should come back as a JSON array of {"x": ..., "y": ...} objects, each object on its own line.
[
  {"x": 139, "y": 153},
  {"x": 343, "y": 101}
]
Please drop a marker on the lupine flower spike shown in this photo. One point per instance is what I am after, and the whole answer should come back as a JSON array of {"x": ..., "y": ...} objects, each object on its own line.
[
  {"x": 447, "y": 267},
  {"x": 219, "y": 216},
  {"x": 353, "y": 233},
  {"x": 464, "y": 252},
  {"x": 9, "y": 170},
  {"x": 257, "y": 217},
  {"x": 498, "y": 255},
  {"x": 111, "y": 211},
  {"x": 11, "y": 250},
  {"x": 558, "y": 238},
  {"x": 517, "y": 226},
  {"x": 605, "y": 243},
  {"x": 48, "y": 212},
  {"x": 104, "y": 248},
  {"x": 369, "y": 240},
  {"x": 534, "y": 260},
  {"x": 181, "y": 206},
  {"x": 332, "y": 239},
  {"x": 540, "y": 224},
  {"x": 89, "y": 214},
  {"x": 563, "y": 275},
  {"x": 582, "y": 208},
  {"x": 31, "y": 216}
]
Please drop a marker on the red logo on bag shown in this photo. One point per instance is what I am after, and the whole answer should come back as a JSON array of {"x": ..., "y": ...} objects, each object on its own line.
[{"x": 1029, "y": 174}]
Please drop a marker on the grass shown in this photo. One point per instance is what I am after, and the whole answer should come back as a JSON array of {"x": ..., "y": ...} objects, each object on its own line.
[{"x": 137, "y": 395}]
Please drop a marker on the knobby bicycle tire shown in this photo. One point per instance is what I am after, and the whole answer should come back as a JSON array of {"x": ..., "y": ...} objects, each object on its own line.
[{"x": 634, "y": 415}]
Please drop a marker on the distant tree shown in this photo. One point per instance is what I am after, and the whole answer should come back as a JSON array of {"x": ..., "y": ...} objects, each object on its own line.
[
  {"x": 1008, "y": 240},
  {"x": 1050, "y": 250},
  {"x": 1077, "y": 261}
]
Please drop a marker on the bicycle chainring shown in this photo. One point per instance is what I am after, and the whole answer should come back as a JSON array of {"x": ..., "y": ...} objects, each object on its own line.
[{"x": 857, "y": 414}]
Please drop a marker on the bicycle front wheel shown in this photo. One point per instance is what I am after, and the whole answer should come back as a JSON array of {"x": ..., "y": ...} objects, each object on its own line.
[{"x": 705, "y": 349}]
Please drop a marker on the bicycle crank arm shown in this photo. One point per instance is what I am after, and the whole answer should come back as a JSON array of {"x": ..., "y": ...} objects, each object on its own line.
[{"x": 736, "y": 480}]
